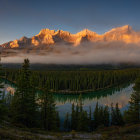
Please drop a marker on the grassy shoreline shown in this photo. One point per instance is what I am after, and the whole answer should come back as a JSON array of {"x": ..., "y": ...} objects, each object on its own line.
[{"x": 128, "y": 132}]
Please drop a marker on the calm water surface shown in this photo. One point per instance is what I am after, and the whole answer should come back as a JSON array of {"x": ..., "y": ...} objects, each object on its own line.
[{"x": 120, "y": 95}]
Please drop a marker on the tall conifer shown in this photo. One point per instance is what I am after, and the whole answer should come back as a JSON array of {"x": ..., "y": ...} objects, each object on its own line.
[{"x": 23, "y": 107}]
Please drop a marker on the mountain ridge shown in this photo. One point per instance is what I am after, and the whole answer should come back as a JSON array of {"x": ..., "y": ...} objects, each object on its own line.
[{"x": 47, "y": 37}]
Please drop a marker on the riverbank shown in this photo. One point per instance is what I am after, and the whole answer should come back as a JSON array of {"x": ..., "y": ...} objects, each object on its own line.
[{"x": 85, "y": 91}]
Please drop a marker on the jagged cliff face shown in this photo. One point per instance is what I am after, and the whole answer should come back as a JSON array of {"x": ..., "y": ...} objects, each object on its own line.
[{"x": 48, "y": 37}]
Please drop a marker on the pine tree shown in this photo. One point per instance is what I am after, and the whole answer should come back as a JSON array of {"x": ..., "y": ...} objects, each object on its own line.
[
  {"x": 116, "y": 116},
  {"x": 66, "y": 122},
  {"x": 81, "y": 118},
  {"x": 33, "y": 98},
  {"x": 106, "y": 116},
  {"x": 77, "y": 117},
  {"x": 96, "y": 116},
  {"x": 113, "y": 115},
  {"x": 83, "y": 123},
  {"x": 3, "y": 108},
  {"x": 80, "y": 103},
  {"x": 90, "y": 119},
  {"x": 23, "y": 107},
  {"x": 81, "y": 115},
  {"x": 119, "y": 116},
  {"x": 133, "y": 113},
  {"x": 73, "y": 118},
  {"x": 79, "y": 110},
  {"x": 100, "y": 115},
  {"x": 49, "y": 116},
  {"x": 57, "y": 121}
]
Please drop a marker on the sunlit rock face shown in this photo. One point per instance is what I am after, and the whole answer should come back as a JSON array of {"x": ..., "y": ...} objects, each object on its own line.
[
  {"x": 14, "y": 44},
  {"x": 125, "y": 34},
  {"x": 48, "y": 37}
]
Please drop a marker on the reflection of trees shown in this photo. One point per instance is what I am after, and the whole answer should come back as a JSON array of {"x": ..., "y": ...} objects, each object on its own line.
[{"x": 63, "y": 98}]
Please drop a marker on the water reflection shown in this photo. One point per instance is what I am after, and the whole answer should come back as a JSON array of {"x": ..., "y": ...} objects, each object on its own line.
[{"x": 120, "y": 95}]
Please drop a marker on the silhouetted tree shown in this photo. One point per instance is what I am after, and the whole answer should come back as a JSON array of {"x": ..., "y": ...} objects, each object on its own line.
[
  {"x": 67, "y": 122},
  {"x": 116, "y": 116},
  {"x": 23, "y": 105},
  {"x": 133, "y": 113},
  {"x": 3, "y": 108},
  {"x": 49, "y": 115}
]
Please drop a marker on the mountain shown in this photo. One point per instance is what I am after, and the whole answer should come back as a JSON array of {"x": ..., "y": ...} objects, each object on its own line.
[{"x": 47, "y": 38}]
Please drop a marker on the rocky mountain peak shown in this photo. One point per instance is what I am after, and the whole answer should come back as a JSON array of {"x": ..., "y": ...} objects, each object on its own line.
[
  {"x": 124, "y": 29},
  {"x": 86, "y": 32},
  {"x": 46, "y": 31},
  {"x": 48, "y": 37}
]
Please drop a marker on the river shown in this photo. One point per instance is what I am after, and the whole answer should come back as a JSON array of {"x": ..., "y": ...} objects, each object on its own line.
[{"x": 120, "y": 95}]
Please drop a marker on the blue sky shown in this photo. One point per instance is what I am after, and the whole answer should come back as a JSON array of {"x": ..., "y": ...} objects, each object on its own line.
[{"x": 27, "y": 17}]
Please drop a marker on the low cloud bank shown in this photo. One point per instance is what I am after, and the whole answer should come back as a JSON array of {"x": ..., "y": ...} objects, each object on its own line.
[{"x": 87, "y": 53}]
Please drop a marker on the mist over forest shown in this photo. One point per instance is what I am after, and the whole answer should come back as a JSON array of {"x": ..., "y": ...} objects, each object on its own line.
[{"x": 86, "y": 53}]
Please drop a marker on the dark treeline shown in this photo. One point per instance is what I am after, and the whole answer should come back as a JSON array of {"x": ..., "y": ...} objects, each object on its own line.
[
  {"x": 80, "y": 120},
  {"x": 104, "y": 116},
  {"x": 67, "y": 67},
  {"x": 78, "y": 81},
  {"x": 27, "y": 109},
  {"x": 97, "y": 94}
]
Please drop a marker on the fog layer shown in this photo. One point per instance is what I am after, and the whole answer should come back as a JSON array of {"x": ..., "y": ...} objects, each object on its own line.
[{"x": 87, "y": 53}]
